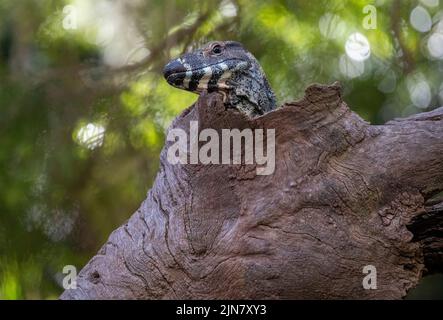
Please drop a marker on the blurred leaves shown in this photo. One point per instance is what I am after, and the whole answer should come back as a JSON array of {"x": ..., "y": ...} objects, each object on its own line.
[{"x": 84, "y": 108}]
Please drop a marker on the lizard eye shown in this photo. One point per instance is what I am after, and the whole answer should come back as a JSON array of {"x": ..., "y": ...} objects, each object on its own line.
[{"x": 217, "y": 49}]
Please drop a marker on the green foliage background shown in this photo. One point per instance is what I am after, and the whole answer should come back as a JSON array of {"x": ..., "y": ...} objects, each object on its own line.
[{"x": 62, "y": 191}]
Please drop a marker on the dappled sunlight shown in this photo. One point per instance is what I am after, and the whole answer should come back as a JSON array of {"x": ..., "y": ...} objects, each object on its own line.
[
  {"x": 419, "y": 91},
  {"x": 420, "y": 19},
  {"x": 91, "y": 135},
  {"x": 435, "y": 41},
  {"x": 357, "y": 47},
  {"x": 228, "y": 9},
  {"x": 435, "y": 45}
]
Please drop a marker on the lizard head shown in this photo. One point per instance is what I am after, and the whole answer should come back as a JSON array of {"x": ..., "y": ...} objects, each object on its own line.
[
  {"x": 227, "y": 67},
  {"x": 208, "y": 68}
]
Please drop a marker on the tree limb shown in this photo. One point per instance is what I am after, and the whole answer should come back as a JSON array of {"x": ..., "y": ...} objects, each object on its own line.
[{"x": 345, "y": 194}]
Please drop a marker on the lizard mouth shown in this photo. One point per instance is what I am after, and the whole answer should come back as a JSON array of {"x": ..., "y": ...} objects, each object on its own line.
[{"x": 177, "y": 75}]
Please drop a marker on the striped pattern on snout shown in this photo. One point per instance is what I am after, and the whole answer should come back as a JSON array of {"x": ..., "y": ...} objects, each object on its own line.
[{"x": 179, "y": 73}]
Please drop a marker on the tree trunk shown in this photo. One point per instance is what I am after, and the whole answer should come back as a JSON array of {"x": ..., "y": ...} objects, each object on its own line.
[{"x": 344, "y": 195}]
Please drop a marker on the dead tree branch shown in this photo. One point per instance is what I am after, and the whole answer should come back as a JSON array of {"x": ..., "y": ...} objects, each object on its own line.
[{"x": 344, "y": 194}]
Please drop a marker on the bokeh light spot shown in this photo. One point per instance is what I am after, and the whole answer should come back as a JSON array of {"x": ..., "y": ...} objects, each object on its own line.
[
  {"x": 91, "y": 136},
  {"x": 357, "y": 47},
  {"x": 420, "y": 19},
  {"x": 228, "y": 9},
  {"x": 419, "y": 91},
  {"x": 435, "y": 45}
]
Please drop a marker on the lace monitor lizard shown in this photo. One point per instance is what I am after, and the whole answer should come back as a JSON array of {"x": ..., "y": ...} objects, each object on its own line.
[{"x": 226, "y": 67}]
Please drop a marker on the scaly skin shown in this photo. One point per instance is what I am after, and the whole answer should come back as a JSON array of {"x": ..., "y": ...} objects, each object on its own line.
[{"x": 226, "y": 67}]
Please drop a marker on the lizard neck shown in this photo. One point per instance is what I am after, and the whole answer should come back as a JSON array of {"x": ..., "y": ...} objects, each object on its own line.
[{"x": 250, "y": 91}]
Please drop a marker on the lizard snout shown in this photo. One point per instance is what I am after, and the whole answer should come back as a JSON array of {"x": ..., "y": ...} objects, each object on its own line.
[{"x": 174, "y": 72}]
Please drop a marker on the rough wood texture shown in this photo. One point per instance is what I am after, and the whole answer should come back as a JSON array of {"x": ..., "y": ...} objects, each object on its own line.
[{"x": 344, "y": 194}]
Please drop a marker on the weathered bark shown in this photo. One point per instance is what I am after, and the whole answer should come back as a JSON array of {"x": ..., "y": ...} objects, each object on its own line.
[{"x": 344, "y": 194}]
